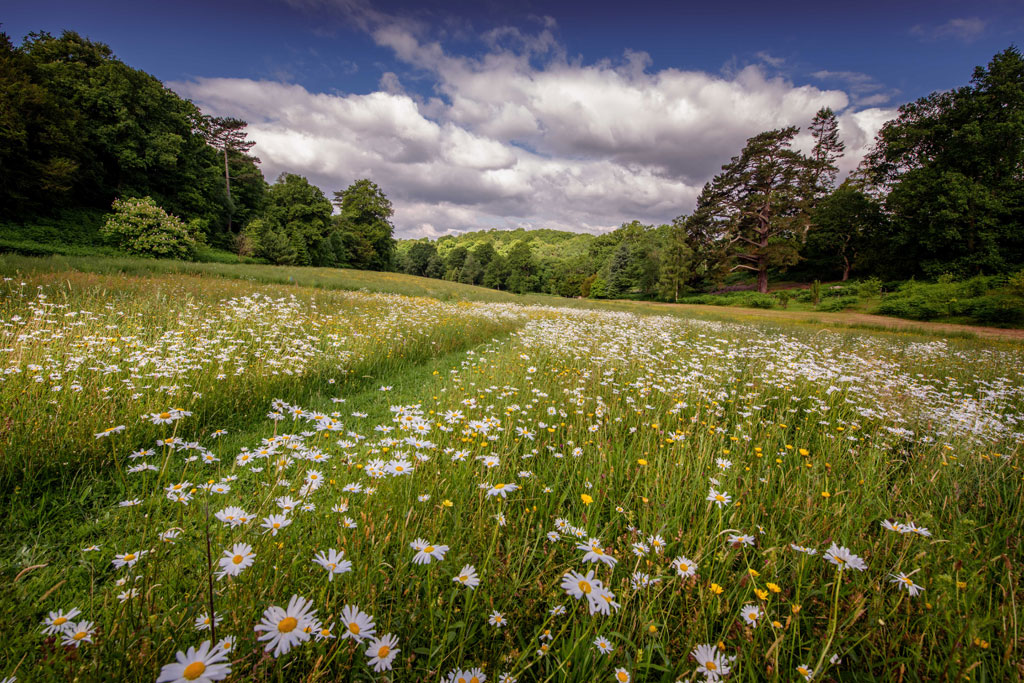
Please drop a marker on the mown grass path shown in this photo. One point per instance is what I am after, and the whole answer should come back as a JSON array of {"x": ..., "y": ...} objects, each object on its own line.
[{"x": 865, "y": 321}]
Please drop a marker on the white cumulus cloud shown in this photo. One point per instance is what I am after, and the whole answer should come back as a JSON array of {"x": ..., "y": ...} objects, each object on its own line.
[{"x": 524, "y": 136}]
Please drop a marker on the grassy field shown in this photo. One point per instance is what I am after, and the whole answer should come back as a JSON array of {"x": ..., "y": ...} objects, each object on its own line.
[{"x": 643, "y": 492}]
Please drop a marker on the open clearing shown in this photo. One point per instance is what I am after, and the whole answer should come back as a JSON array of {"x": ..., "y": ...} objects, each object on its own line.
[{"x": 541, "y": 493}]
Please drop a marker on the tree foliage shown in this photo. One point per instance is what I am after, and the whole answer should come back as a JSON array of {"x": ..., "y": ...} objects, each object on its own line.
[
  {"x": 79, "y": 128},
  {"x": 365, "y": 218},
  {"x": 846, "y": 224},
  {"x": 952, "y": 167}
]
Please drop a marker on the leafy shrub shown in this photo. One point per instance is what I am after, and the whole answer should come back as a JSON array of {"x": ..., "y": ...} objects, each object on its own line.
[
  {"x": 69, "y": 226},
  {"x": 139, "y": 226},
  {"x": 1016, "y": 283},
  {"x": 586, "y": 285},
  {"x": 757, "y": 300},
  {"x": 912, "y": 307},
  {"x": 834, "y": 304},
  {"x": 870, "y": 288},
  {"x": 598, "y": 289},
  {"x": 277, "y": 248},
  {"x": 783, "y": 297},
  {"x": 705, "y": 299},
  {"x": 208, "y": 254},
  {"x": 996, "y": 310}
]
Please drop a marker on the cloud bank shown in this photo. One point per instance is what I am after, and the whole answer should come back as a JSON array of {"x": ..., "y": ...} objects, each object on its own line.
[{"x": 523, "y": 136}]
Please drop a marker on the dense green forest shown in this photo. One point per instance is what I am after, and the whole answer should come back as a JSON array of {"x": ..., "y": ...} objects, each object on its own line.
[
  {"x": 80, "y": 129},
  {"x": 96, "y": 155}
]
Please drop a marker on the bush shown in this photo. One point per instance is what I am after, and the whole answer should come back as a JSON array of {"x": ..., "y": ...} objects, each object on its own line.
[
  {"x": 836, "y": 291},
  {"x": 835, "y": 304},
  {"x": 138, "y": 226},
  {"x": 586, "y": 285},
  {"x": 277, "y": 248},
  {"x": 705, "y": 299},
  {"x": 244, "y": 244},
  {"x": 870, "y": 288},
  {"x": 912, "y": 307},
  {"x": 757, "y": 300},
  {"x": 1016, "y": 283},
  {"x": 996, "y": 310}
]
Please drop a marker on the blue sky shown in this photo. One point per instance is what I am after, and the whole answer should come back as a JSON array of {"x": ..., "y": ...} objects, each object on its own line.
[{"x": 556, "y": 114}]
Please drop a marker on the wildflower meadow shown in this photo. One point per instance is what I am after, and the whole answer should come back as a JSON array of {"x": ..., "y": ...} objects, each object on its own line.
[{"x": 211, "y": 479}]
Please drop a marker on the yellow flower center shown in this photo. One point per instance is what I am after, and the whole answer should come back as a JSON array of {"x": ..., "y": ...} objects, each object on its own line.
[
  {"x": 499, "y": 486},
  {"x": 129, "y": 557},
  {"x": 354, "y": 628},
  {"x": 585, "y": 587},
  {"x": 237, "y": 559},
  {"x": 383, "y": 651},
  {"x": 429, "y": 549},
  {"x": 60, "y": 621},
  {"x": 684, "y": 567},
  {"x": 720, "y": 498},
  {"x": 164, "y": 416},
  {"x": 287, "y": 625},
  {"x": 80, "y": 635},
  {"x": 710, "y": 666},
  {"x": 331, "y": 566},
  {"x": 194, "y": 670},
  {"x": 622, "y": 676}
]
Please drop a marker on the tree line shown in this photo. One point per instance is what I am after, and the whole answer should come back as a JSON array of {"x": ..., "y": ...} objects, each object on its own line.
[{"x": 940, "y": 194}]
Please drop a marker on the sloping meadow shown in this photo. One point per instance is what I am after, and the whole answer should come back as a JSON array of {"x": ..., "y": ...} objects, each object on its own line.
[{"x": 275, "y": 483}]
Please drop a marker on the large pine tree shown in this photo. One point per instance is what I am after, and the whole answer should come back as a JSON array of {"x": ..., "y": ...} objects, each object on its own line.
[{"x": 755, "y": 206}]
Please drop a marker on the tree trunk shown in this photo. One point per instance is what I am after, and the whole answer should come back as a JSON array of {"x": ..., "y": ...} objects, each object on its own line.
[
  {"x": 762, "y": 279},
  {"x": 846, "y": 269},
  {"x": 762, "y": 265},
  {"x": 227, "y": 185}
]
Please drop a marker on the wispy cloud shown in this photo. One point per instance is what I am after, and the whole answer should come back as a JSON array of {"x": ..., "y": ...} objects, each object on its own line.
[
  {"x": 865, "y": 90},
  {"x": 771, "y": 60},
  {"x": 967, "y": 29}
]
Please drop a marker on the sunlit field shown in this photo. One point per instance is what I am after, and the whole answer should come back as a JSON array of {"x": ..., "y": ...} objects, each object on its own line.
[{"x": 213, "y": 479}]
